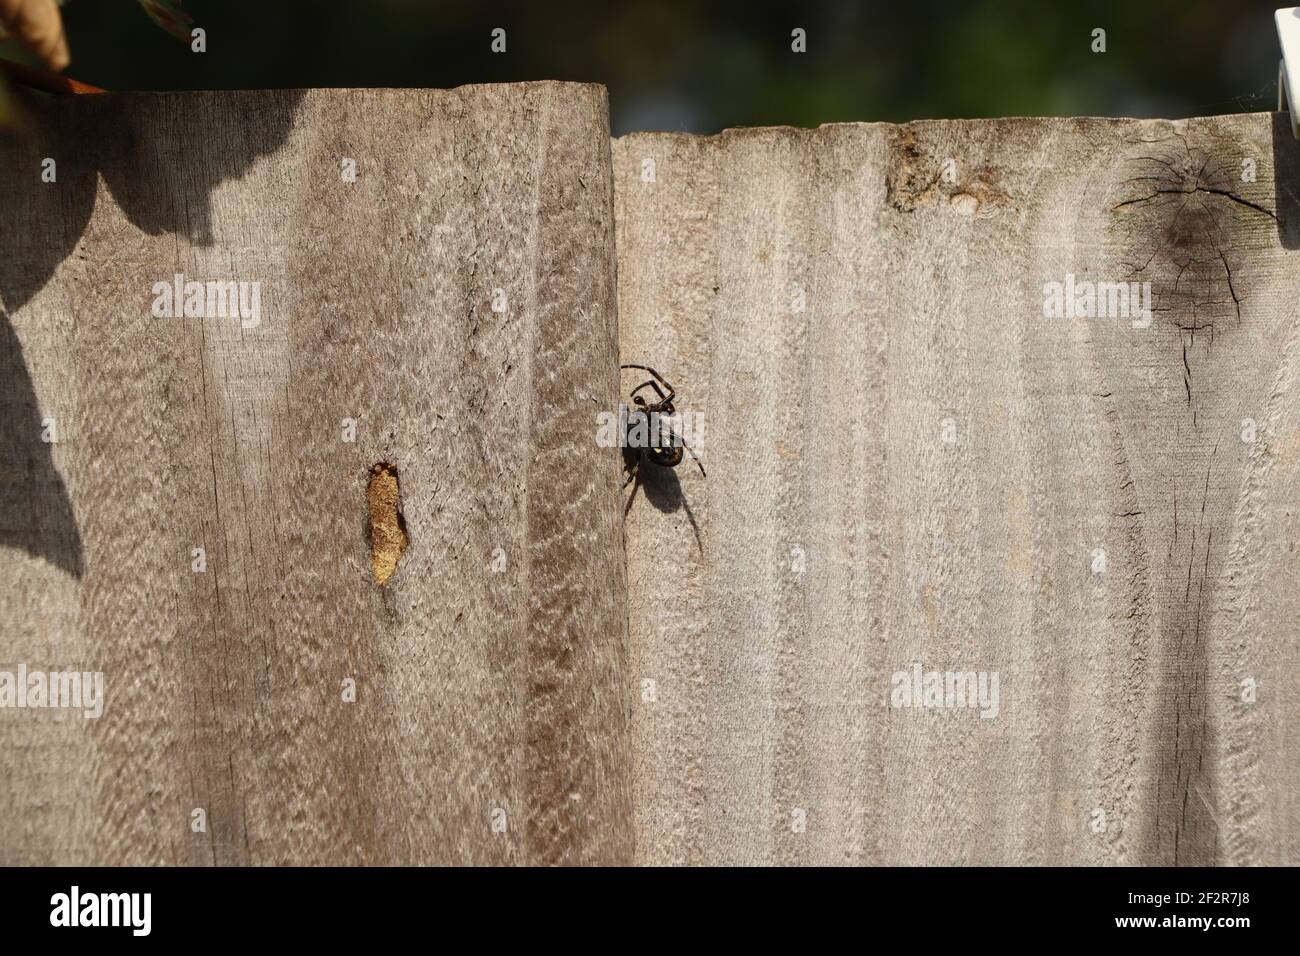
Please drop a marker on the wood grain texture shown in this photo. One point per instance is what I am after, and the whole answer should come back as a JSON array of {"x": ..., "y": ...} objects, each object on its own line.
[
  {"x": 1120, "y": 687},
  {"x": 476, "y": 689},
  {"x": 908, "y": 464}
]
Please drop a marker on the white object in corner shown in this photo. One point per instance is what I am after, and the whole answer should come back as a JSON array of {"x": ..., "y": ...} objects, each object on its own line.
[{"x": 1288, "y": 71}]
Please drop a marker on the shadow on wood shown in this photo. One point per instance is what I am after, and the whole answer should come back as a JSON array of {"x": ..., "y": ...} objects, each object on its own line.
[{"x": 161, "y": 168}]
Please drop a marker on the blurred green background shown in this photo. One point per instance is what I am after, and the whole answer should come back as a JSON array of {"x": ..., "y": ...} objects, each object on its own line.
[{"x": 702, "y": 67}]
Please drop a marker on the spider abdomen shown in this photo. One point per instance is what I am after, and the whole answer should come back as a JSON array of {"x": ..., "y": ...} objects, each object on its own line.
[{"x": 669, "y": 457}]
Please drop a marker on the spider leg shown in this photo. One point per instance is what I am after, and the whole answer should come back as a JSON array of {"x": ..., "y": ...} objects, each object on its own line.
[
  {"x": 695, "y": 456},
  {"x": 658, "y": 391},
  {"x": 646, "y": 368},
  {"x": 632, "y": 497},
  {"x": 631, "y": 465}
]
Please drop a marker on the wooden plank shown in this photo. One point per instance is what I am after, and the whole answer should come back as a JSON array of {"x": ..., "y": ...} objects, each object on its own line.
[
  {"x": 918, "y": 467},
  {"x": 486, "y": 679},
  {"x": 910, "y": 465}
]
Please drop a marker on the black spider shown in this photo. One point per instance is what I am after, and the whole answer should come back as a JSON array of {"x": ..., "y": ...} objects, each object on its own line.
[{"x": 653, "y": 415}]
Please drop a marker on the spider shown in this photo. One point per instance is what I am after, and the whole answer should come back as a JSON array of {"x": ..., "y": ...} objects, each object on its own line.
[{"x": 668, "y": 454}]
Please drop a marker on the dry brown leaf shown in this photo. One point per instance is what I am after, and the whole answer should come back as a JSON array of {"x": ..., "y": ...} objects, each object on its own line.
[{"x": 38, "y": 25}]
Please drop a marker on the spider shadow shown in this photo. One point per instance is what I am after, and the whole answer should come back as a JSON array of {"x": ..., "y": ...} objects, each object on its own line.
[{"x": 662, "y": 487}]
